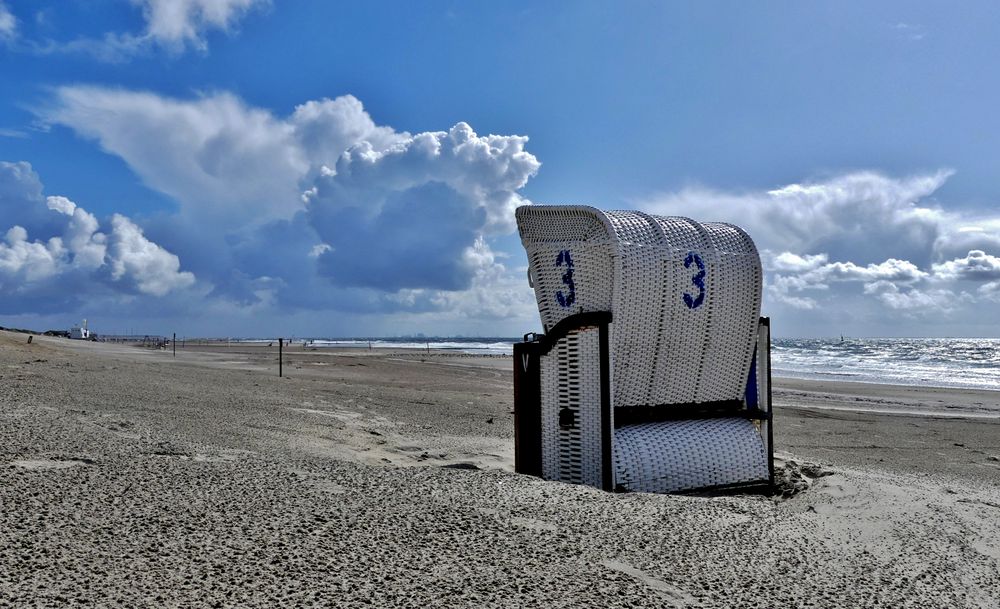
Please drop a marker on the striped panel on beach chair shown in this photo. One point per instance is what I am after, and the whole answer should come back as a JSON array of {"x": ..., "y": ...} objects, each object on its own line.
[{"x": 571, "y": 427}]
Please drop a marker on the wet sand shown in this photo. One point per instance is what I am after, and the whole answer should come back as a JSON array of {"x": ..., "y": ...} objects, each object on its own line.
[{"x": 380, "y": 478}]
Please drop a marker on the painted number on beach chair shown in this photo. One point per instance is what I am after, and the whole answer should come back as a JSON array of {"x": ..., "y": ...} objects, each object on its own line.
[
  {"x": 566, "y": 300},
  {"x": 698, "y": 280}
]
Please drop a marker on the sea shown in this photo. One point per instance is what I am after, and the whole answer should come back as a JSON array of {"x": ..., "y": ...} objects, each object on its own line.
[
  {"x": 472, "y": 346},
  {"x": 933, "y": 362}
]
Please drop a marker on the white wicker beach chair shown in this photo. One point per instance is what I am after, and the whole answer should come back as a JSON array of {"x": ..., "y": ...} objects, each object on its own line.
[{"x": 653, "y": 372}]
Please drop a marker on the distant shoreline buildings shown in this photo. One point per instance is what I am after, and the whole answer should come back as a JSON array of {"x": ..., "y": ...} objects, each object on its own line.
[{"x": 80, "y": 332}]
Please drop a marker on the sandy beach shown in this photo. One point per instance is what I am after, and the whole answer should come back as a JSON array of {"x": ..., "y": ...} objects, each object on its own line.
[{"x": 385, "y": 478}]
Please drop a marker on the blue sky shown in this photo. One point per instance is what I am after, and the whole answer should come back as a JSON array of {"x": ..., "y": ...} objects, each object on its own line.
[{"x": 313, "y": 168}]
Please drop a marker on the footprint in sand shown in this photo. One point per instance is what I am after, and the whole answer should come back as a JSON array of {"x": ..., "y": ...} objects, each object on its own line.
[
  {"x": 674, "y": 596},
  {"x": 51, "y": 463}
]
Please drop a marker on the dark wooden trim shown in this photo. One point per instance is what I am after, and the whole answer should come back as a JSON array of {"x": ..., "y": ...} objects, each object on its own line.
[
  {"x": 766, "y": 322},
  {"x": 567, "y": 324},
  {"x": 763, "y": 486},
  {"x": 752, "y": 393},
  {"x": 635, "y": 415},
  {"x": 607, "y": 475},
  {"x": 527, "y": 409}
]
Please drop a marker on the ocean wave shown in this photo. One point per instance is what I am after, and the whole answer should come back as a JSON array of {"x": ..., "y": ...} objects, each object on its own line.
[{"x": 938, "y": 362}]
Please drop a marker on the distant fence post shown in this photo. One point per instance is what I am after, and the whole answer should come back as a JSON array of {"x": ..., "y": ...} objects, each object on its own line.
[
  {"x": 173, "y": 344},
  {"x": 281, "y": 345}
]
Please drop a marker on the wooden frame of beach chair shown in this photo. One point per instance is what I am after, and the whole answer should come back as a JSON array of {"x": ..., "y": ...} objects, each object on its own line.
[{"x": 653, "y": 373}]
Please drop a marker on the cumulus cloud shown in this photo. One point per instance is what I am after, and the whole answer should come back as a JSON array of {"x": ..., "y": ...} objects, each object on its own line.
[
  {"x": 405, "y": 216},
  {"x": 494, "y": 294},
  {"x": 79, "y": 259},
  {"x": 863, "y": 217},
  {"x": 155, "y": 270},
  {"x": 20, "y": 190},
  {"x": 87, "y": 246},
  {"x": 358, "y": 204},
  {"x": 326, "y": 128},
  {"x": 977, "y": 265},
  {"x": 789, "y": 262},
  {"x": 917, "y": 301},
  {"x": 892, "y": 244},
  {"x": 801, "y": 273},
  {"x": 323, "y": 208},
  {"x": 891, "y": 270},
  {"x": 21, "y": 260}
]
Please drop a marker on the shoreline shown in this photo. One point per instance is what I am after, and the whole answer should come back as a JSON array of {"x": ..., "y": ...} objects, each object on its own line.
[{"x": 413, "y": 347}]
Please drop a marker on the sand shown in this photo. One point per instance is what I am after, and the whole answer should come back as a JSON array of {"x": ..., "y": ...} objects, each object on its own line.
[{"x": 130, "y": 478}]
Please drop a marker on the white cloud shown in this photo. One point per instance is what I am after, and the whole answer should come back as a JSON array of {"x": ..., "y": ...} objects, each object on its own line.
[
  {"x": 780, "y": 288},
  {"x": 178, "y": 23},
  {"x": 977, "y": 265},
  {"x": 383, "y": 210},
  {"x": 174, "y": 25},
  {"x": 224, "y": 162},
  {"x": 990, "y": 291},
  {"x": 891, "y": 270},
  {"x": 21, "y": 260},
  {"x": 155, "y": 270},
  {"x": 87, "y": 246},
  {"x": 327, "y": 127},
  {"x": 73, "y": 256},
  {"x": 961, "y": 234},
  {"x": 789, "y": 262},
  {"x": 864, "y": 217},
  {"x": 407, "y": 216},
  {"x": 8, "y": 23},
  {"x": 322, "y": 209},
  {"x": 318, "y": 249},
  {"x": 799, "y": 273},
  {"x": 916, "y": 301},
  {"x": 913, "y": 32},
  {"x": 494, "y": 293},
  {"x": 885, "y": 234},
  {"x": 61, "y": 205}
]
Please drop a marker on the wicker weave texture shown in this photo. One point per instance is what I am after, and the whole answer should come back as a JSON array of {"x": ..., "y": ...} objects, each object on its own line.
[
  {"x": 571, "y": 413},
  {"x": 673, "y": 456},
  {"x": 591, "y": 267},
  {"x": 685, "y": 296}
]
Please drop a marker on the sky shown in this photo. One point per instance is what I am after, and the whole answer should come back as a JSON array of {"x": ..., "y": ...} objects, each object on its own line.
[{"x": 311, "y": 168}]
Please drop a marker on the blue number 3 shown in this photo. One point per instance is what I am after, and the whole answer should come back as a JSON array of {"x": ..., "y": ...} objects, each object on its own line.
[
  {"x": 566, "y": 300},
  {"x": 693, "y": 302}
]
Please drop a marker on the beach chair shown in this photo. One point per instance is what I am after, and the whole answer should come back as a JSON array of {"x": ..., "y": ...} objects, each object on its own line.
[{"x": 653, "y": 371}]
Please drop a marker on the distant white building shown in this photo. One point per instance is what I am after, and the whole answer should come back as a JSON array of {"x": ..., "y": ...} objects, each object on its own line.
[{"x": 80, "y": 332}]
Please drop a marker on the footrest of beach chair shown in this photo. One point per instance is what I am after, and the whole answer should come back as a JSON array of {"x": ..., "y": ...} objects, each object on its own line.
[{"x": 672, "y": 456}]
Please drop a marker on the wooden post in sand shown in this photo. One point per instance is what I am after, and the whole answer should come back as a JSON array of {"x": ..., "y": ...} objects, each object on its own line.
[
  {"x": 173, "y": 344},
  {"x": 281, "y": 344}
]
